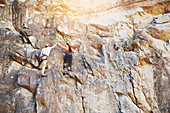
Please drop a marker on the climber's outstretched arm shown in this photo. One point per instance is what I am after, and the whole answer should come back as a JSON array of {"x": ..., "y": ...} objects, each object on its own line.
[
  {"x": 61, "y": 46},
  {"x": 54, "y": 45},
  {"x": 74, "y": 50}
]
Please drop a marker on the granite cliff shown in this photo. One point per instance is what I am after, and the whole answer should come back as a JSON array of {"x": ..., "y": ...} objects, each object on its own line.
[{"x": 122, "y": 64}]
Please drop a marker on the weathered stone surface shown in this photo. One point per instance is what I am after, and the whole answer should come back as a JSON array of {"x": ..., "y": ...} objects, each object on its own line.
[
  {"x": 162, "y": 84},
  {"x": 33, "y": 41},
  {"x": 14, "y": 67},
  {"x": 153, "y": 9},
  {"x": 12, "y": 37},
  {"x": 122, "y": 62},
  {"x": 28, "y": 79},
  {"x": 7, "y": 84},
  {"x": 26, "y": 54},
  {"x": 24, "y": 99},
  {"x": 26, "y": 32},
  {"x": 127, "y": 106},
  {"x": 6, "y": 24},
  {"x": 161, "y": 31},
  {"x": 19, "y": 97},
  {"x": 53, "y": 96},
  {"x": 98, "y": 97}
]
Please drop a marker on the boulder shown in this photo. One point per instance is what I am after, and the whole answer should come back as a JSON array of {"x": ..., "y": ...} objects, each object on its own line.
[
  {"x": 28, "y": 79},
  {"x": 2, "y": 32},
  {"x": 131, "y": 58},
  {"x": 33, "y": 41},
  {"x": 24, "y": 99},
  {"x": 127, "y": 106},
  {"x": 18, "y": 97},
  {"x": 14, "y": 67},
  {"x": 24, "y": 34},
  {"x": 25, "y": 54},
  {"x": 18, "y": 54}
]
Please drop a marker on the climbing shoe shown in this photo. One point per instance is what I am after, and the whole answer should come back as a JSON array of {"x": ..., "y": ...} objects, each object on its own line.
[
  {"x": 69, "y": 68},
  {"x": 44, "y": 75}
]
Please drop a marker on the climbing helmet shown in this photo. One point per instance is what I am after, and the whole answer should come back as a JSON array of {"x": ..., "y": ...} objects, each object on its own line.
[{"x": 46, "y": 45}]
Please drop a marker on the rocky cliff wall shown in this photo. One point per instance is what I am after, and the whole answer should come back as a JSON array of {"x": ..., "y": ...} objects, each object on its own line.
[{"x": 122, "y": 63}]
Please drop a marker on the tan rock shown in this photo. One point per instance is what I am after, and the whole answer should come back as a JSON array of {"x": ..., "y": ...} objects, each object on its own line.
[
  {"x": 98, "y": 98},
  {"x": 127, "y": 106},
  {"x": 14, "y": 67},
  {"x": 26, "y": 53},
  {"x": 141, "y": 100},
  {"x": 161, "y": 19},
  {"x": 156, "y": 9},
  {"x": 121, "y": 64},
  {"x": 28, "y": 79},
  {"x": 161, "y": 47},
  {"x": 24, "y": 99},
  {"x": 149, "y": 84},
  {"x": 55, "y": 97},
  {"x": 19, "y": 97},
  {"x": 161, "y": 31}
]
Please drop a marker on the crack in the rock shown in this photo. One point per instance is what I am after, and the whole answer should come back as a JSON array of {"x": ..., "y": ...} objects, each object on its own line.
[
  {"x": 118, "y": 101},
  {"x": 75, "y": 78},
  {"x": 119, "y": 106},
  {"x": 131, "y": 81},
  {"x": 3, "y": 64},
  {"x": 87, "y": 65},
  {"x": 35, "y": 94},
  {"x": 83, "y": 104}
]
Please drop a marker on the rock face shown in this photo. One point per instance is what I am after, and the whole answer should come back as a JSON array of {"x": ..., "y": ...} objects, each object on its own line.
[{"x": 122, "y": 63}]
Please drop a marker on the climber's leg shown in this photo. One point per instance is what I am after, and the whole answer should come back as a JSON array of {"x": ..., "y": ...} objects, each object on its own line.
[
  {"x": 44, "y": 62},
  {"x": 65, "y": 61},
  {"x": 40, "y": 67},
  {"x": 69, "y": 62}
]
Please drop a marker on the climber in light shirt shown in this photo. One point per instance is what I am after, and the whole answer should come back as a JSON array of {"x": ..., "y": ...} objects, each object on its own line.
[{"x": 45, "y": 52}]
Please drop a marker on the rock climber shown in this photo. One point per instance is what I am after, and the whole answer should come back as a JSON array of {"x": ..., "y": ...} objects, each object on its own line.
[
  {"x": 68, "y": 56},
  {"x": 44, "y": 55}
]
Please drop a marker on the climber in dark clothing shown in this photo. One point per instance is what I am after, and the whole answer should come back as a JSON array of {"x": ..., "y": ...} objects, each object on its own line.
[{"x": 68, "y": 55}]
